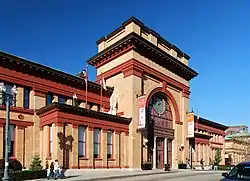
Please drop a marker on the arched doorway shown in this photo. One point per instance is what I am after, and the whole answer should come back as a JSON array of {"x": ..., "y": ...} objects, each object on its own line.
[{"x": 160, "y": 131}]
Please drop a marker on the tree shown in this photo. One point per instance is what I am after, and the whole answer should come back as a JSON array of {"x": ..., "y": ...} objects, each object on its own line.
[
  {"x": 217, "y": 158},
  {"x": 36, "y": 163}
]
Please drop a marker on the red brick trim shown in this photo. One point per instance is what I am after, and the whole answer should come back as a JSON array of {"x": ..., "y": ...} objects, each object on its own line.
[
  {"x": 83, "y": 158},
  {"x": 59, "y": 124},
  {"x": 164, "y": 85},
  {"x": 39, "y": 94},
  {"x": 114, "y": 56},
  {"x": 132, "y": 71},
  {"x": 201, "y": 141},
  {"x": 185, "y": 93},
  {"x": 216, "y": 143},
  {"x": 171, "y": 98},
  {"x": 48, "y": 85},
  {"x": 75, "y": 126},
  {"x": 90, "y": 128},
  {"x": 120, "y": 113},
  {"x": 16, "y": 122},
  {"x": 18, "y": 110},
  {"x": 178, "y": 122},
  {"x": 209, "y": 129},
  {"x": 21, "y": 127},
  {"x": 60, "y": 118},
  {"x": 134, "y": 67}
]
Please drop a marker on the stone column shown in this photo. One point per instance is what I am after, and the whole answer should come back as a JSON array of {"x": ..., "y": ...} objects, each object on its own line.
[
  {"x": 154, "y": 153},
  {"x": 68, "y": 146},
  {"x": 20, "y": 97},
  {"x": 74, "y": 147},
  {"x": 19, "y": 146},
  {"x": 104, "y": 147},
  {"x": 90, "y": 144},
  {"x": 123, "y": 151},
  {"x": 165, "y": 151}
]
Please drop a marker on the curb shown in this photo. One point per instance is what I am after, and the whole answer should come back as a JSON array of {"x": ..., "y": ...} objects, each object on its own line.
[
  {"x": 141, "y": 175},
  {"x": 128, "y": 176}
]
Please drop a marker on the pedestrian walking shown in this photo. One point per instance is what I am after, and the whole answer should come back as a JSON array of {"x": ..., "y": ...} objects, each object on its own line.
[{"x": 51, "y": 170}]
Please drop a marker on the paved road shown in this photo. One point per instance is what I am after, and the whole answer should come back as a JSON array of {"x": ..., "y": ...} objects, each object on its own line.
[{"x": 177, "y": 177}]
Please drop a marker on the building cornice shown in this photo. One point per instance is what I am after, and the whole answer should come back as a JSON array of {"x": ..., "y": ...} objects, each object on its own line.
[
  {"x": 32, "y": 68},
  {"x": 146, "y": 30},
  {"x": 82, "y": 112},
  {"x": 212, "y": 124},
  {"x": 137, "y": 43}
]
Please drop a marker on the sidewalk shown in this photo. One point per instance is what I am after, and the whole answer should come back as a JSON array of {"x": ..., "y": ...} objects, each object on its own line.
[{"x": 107, "y": 174}]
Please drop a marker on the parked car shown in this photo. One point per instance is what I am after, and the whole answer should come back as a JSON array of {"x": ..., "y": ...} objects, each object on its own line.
[{"x": 239, "y": 172}]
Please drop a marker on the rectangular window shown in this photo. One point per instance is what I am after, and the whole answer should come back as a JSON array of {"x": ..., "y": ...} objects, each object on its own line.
[
  {"x": 61, "y": 99},
  {"x": 81, "y": 141},
  {"x": 12, "y": 140},
  {"x": 49, "y": 99},
  {"x": 26, "y": 98},
  {"x": 96, "y": 143},
  {"x": 110, "y": 144},
  {"x": 50, "y": 140}
]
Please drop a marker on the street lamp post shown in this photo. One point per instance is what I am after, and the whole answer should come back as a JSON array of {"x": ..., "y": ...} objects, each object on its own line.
[{"x": 8, "y": 99}]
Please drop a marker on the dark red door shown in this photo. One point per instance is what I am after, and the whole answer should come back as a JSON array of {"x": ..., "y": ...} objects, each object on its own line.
[
  {"x": 169, "y": 153},
  {"x": 160, "y": 153}
]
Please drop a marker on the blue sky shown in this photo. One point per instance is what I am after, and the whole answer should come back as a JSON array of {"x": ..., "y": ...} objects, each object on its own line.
[{"x": 216, "y": 34}]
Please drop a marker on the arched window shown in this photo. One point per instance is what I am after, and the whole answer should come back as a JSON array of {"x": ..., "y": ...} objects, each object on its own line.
[{"x": 159, "y": 111}]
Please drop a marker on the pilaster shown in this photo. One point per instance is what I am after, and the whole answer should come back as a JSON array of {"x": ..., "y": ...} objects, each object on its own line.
[
  {"x": 20, "y": 97},
  {"x": 90, "y": 144},
  {"x": 74, "y": 146},
  {"x": 19, "y": 146},
  {"x": 117, "y": 146},
  {"x": 104, "y": 148}
]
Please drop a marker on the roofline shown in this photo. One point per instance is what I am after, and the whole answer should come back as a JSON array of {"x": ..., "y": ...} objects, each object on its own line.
[
  {"x": 212, "y": 123},
  {"x": 139, "y": 38},
  {"x": 148, "y": 30},
  {"x": 48, "y": 69},
  {"x": 77, "y": 110}
]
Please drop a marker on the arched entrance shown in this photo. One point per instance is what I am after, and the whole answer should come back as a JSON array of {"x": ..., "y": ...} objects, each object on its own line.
[{"x": 159, "y": 130}]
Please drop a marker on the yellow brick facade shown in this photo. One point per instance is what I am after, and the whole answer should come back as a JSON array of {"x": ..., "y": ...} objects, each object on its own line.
[{"x": 50, "y": 130}]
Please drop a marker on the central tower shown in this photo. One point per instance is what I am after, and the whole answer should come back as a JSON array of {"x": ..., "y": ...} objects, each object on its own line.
[{"x": 137, "y": 61}]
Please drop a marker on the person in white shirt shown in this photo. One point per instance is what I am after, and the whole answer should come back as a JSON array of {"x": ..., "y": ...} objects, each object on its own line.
[{"x": 57, "y": 169}]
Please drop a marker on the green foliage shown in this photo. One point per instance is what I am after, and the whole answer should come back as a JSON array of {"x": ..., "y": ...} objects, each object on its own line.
[
  {"x": 26, "y": 175},
  {"x": 217, "y": 158},
  {"x": 36, "y": 164}
]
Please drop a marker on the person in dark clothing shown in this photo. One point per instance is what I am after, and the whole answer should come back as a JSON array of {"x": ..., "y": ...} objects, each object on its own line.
[
  {"x": 51, "y": 173},
  {"x": 202, "y": 164}
]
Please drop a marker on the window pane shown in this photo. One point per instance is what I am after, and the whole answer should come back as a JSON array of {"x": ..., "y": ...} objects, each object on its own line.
[
  {"x": 61, "y": 100},
  {"x": 109, "y": 135},
  {"x": 96, "y": 149},
  {"x": 96, "y": 135},
  {"x": 50, "y": 147},
  {"x": 80, "y": 149},
  {"x": 81, "y": 134},
  {"x": 50, "y": 133},
  {"x": 8, "y": 89},
  {"x": 48, "y": 99},
  {"x": 110, "y": 149},
  {"x": 26, "y": 98}
]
